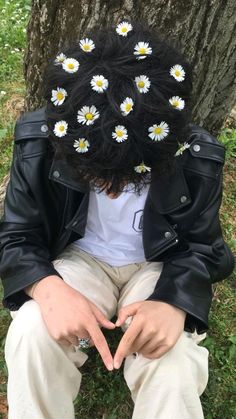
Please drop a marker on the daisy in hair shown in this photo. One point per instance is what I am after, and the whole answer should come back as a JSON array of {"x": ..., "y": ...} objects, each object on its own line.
[
  {"x": 58, "y": 96},
  {"x": 87, "y": 115},
  {"x": 182, "y": 148},
  {"x": 99, "y": 84},
  {"x": 177, "y": 72},
  {"x": 120, "y": 133},
  {"x": 81, "y": 145},
  {"x": 60, "y": 58},
  {"x": 127, "y": 106},
  {"x": 141, "y": 168},
  {"x": 158, "y": 132},
  {"x": 142, "y": 49},
  {"x": 87, "y": 45},
  {"x": 123, "y": 28},
  {"x": 177, "y": 102},
  {"x": 143, "y": 83},
  {"x": 60, "y": 129},
  {"x": 70, "y": 65}
]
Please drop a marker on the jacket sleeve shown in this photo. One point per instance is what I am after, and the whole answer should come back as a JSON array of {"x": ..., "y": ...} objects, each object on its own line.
[
  {"x": 24, "y": 254},
  {"x": 200, "y": 256}
]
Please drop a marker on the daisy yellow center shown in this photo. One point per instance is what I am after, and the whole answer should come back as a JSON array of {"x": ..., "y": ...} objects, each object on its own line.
[
  {"x": 86, "y": 47},
  {"x": 141, "y": 84},
  {"x": 61, "y": 128},
  {"x": 99, "y": 83},
  {"x": 177, "y": 73},
  {"x": 175, "y": 103},
  {"x": 71, "y": 66},
  {"x": 124, "y": 30},
  {"x": 60, "y": 96},
  {"x": 158, "y": 130},
  {"x": 119, "y": 133},
  {"x": 89, "y": 116},
  {"x": 82, "y": 144},
  {"x": 128, "y": 107},
  {"x": 142, "y": 50}
]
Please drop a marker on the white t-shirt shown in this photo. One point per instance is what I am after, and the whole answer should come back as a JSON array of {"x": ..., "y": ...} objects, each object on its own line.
[{"x": 114, "y": 228}]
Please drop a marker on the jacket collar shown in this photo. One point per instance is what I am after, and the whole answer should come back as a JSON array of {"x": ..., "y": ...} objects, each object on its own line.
[{"x": 168, "y": 193}]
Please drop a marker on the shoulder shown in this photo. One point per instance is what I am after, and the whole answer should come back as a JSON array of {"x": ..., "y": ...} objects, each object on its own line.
[{"x": 31, "y": 125}]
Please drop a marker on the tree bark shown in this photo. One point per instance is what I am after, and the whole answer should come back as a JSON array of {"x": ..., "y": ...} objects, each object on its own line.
[{"x": 206, "y": 30}]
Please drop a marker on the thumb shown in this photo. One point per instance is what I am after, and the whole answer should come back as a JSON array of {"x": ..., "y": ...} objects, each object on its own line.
[
  {"x": 127, "y": 311},
  {"x": 101, "y": 318}
]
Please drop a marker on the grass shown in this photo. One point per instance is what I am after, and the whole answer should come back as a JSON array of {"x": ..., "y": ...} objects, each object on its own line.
[{"x": 104, "y": 394}]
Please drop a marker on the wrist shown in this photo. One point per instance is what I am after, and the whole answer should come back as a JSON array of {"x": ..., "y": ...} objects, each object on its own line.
[{"x": 40, "y": 287}]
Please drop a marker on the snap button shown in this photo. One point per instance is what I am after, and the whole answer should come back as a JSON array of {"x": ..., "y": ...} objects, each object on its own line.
[
  {"x": 196, "y": 148},
  {"x": 183, "y": 199},
  {"x": 44, "y": 128},
  {"x": 56, "y": 174},
  {"x": 168, "y": 234}
]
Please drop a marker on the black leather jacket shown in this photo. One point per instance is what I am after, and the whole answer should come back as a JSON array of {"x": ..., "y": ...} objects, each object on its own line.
[{"x": 45, "y": 211}]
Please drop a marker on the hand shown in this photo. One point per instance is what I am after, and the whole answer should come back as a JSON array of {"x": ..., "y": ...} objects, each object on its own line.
[
  {"x": 68, "y": 314},
  {"x": 154, "y": 330}
]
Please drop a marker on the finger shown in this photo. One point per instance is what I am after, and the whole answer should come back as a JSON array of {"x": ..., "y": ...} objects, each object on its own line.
[
  {"x": 64, "y": 342},
  {"x": 127, "y": 311},
  {"x": 101, "y": 318},
  {"x": 127, "y": 341},
  {"x": 101, "y": 345},
  {"x": 148, "y": 347},
  {"x": 158, "y": 353}
]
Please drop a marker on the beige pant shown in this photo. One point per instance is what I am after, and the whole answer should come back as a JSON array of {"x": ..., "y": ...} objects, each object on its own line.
[{"x": 44, "y": 378}]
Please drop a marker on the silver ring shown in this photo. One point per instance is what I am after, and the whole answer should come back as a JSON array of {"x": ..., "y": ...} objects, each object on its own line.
[{"x": 84, "y": 343}]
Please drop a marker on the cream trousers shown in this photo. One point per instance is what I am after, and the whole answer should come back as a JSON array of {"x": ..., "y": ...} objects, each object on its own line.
[{"x": 44, "y": 376}]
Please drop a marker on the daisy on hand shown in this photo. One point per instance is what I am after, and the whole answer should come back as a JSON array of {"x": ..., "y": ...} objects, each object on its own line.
[
  {"x": 127, "y": 106},
  {"x": 158, "y": 132},
  {"x": 87, "y": 115},
  {"x": 60, "y": 129},
  {"x": 142, "y": 49},
  {"x": 87, "y": 45},
  {"x": 120, "y": 133},
  {"x": 177, "y": 72},
  {"x": 123, "y": 28},
  {"x": 99, "y": 84},
  {"x": 58, "y": 96},
  {"x": 143, "y": 83},
  {"x": 81, "y": 145}
]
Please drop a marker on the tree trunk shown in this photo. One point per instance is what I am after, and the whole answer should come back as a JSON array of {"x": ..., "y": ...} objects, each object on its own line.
[{"x": 206, "y": 30}]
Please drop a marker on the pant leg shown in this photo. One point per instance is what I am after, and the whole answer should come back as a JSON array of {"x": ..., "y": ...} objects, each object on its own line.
[
  {"x": 168, "y": 387},
  {"x": 43, "y": 376}
]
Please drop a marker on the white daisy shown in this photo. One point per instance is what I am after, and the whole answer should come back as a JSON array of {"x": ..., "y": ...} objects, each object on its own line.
[
  {"x": 120, "y": 133},
  {"x": 70, "y": 65},
  {"x": 127, "y": 106},
  {"x": 141, "y": 168},
  {"x": 143, "y": 83},
  {"x": 177, "y": 102},
  {"x": 123, "y": 28},
  {"x": 86, "y": 45},
  {"x": 99, "y": 84},
  {"x": 177, "y": 72},
  {"x": 60, "y": 129},
  {"x": 81, "y": 145},
  {"x": 182, "y": 148},
  {"x": 87, "y": 115},
  {"x": 60, "y": 58},
  {"x": 58, "y": 96},
  {"x": 158, "y": 132},
  {"x": 142, "y": 49}
]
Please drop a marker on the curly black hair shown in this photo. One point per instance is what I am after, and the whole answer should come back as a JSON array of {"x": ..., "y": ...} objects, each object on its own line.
[{"x": 108, "y": 162}]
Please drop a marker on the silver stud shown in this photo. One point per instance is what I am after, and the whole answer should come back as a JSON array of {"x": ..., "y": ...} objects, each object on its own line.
[
  {"x": 183, "y": 199},
  {"x": 168, "y": 234},
  {"x": 196, "y": 148},
  {"x": 56, "y": 174},
  {"x": 44, "y": 128}
]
